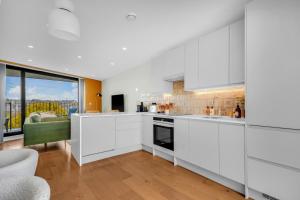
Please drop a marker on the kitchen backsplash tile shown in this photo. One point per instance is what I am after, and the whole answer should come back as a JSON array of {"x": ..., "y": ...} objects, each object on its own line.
[{"x": 224, "y": 100}]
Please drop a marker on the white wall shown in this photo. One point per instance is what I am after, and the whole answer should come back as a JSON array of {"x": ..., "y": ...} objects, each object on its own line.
[{"x": 145, "y": 78}]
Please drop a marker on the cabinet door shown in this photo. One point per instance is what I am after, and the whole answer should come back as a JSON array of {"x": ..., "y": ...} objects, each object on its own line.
[
  {"x": 273, "y": 46},
  {"x": 237, "y": 52},
  {"x": 181, "y": 139},
  {"x": 98, "y": 134},
  {"x": 204, "y": 145},
  {"x": 191, "y": 65},
  {"x": 232, "y": 152},
  {"x": 158, "y": 74},
  {"x": 214, "y": 59},
  {"x": 174, "y": 63},
  {"x": 279, "y": 182},
  {"x": 128, "y": 131},
  {"x": 147, "y": 137}
]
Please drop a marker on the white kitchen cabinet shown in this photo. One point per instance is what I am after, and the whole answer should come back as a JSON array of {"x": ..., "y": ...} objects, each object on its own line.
[
  {"x": 281, "y": 146},
  {"x": 174, "y": 63},
  {"x": 204, "y": 145},
  {"x": 158, "y": 74},
  {"x": 98, "y": 135},
  {"x": 273, "y": 46},
  {"x": 237, "y": 52},
  {"x": 232, "y": 152},
  {"x": 213, "y": 61},
  {"x": 128, "y": 131},
  {"x": 191, "y": 79},
  {"x": 181, "y": 139},
  {"x": 147, "y": 131},
  {"x": 279, "y": 182}
]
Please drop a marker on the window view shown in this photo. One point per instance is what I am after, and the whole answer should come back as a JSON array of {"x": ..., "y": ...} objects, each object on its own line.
[{"x": 49, "y": 94}]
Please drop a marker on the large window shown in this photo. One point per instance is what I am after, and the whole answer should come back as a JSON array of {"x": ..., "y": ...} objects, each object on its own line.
[{"x": 29, "y": 91}]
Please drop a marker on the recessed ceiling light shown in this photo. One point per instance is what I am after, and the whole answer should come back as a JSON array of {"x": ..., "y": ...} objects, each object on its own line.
[
  {"x": 79, "y": 57},
  {"x": 30, "y": 46},
  {"x": 112, "y": 63},
  {"x": 131, "y": 16},
  {"x": 29, "y": 60},
  {"x": 124, "y": 48}
]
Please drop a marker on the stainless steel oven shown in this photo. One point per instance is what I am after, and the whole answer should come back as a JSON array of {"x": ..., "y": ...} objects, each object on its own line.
[{"x": 163, "y": 132}]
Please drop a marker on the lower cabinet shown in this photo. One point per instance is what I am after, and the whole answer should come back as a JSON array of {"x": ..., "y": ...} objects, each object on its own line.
[
  {"x": 278, "y": 181},
  {"x": 147, "y": 131},
  {"x": 232, "y": 152},
  {"x": 181, "y": 139},
  {"x": 128, "y": 131},
  {"x": 204, "y": 145},
  {"x": 217, "y": 147},
  {"x": 98, "y": 135}
]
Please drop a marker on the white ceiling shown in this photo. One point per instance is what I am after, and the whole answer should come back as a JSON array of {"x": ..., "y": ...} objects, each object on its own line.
[{"x": 160, "y": 25}]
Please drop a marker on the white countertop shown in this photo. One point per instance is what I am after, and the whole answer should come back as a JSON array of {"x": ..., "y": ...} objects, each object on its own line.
[{"x": 222, "y": 119}]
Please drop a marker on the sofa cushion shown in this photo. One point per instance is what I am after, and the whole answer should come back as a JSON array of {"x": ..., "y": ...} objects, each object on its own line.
[
  {"x": 48, "y": 115},
  {"x": 35, "y": 118}
]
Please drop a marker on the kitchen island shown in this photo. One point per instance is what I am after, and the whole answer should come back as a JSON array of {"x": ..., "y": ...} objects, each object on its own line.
[{"x": 211, "y": 146}]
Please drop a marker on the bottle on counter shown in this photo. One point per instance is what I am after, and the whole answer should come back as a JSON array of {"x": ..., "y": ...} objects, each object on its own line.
[
  {"x": 207, "y": 111},
  {"x": 238, "y": 112},
  {"x": 212, "y": 111}
]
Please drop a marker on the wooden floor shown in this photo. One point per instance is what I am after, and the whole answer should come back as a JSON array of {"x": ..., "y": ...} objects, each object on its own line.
[{"x": 133, "y": 176}]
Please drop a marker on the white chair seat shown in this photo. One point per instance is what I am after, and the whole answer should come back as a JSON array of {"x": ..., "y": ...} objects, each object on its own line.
[
  {"x": 19, "y": 162},
  {"x": 24, "y": 188}
]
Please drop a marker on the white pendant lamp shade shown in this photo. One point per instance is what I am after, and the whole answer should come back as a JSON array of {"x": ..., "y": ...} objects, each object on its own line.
[{"x": 63, "y": 23}]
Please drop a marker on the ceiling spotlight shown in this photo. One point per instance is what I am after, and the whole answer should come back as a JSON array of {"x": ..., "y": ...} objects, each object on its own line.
[
  {"x": 131, "y": 16},
  {"x": 30, "y": 46},
  {"x": 29, "y": 60},
  {"x": 79, "y": 57},
  {"x": 124, "y": 48}
]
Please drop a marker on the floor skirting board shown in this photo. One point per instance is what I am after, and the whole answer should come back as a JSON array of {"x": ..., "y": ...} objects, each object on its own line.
[{"x": 107, "y": 154}]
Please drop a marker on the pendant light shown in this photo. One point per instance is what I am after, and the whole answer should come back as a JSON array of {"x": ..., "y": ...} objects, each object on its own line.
[{"x": 63, "y": 24}]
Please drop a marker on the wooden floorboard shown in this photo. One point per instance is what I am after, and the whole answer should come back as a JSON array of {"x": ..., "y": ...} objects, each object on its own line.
[{"x": 133, "y": 176}]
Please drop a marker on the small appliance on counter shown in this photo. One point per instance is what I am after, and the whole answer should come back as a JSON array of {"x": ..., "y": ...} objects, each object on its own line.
[{"x": 153, "y": 108}]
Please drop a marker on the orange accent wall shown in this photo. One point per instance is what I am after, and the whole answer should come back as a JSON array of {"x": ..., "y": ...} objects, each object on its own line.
[{"x": 92, "y": 102}]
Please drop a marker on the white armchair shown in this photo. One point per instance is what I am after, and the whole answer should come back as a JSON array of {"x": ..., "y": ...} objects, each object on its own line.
[
  {"x": 24, "y": 188},
  {"x": 19, "y": 162}
]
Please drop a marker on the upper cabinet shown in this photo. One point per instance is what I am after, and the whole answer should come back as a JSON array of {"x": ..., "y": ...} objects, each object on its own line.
[
  {"x": 237, "y": 52},
  {"x": 214, "y": 59},
  {"x": 158, "y": 74},
  {"x": 174, "y": 63},
  {"x": 191, "y": 65}
]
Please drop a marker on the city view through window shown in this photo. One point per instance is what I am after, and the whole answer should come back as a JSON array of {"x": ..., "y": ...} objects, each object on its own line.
[{"x": 43, "y": 93}]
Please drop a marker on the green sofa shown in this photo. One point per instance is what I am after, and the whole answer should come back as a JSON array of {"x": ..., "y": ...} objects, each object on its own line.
[{"x": 46, "y": 130}]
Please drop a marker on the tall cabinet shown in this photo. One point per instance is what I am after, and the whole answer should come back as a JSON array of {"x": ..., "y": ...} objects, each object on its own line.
[{"x": 272, "y": 97}]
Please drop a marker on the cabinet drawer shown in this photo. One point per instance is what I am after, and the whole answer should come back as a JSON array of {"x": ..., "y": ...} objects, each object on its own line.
[
  {"x": 128, "y": 125},
  {"x": 275, "y": 145},
  {"x": 133, "y": 118},
  {"x": 276, "y": 181}
]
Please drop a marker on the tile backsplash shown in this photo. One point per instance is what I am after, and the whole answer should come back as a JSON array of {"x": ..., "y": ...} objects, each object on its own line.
[{"x": 223, "y": 100}]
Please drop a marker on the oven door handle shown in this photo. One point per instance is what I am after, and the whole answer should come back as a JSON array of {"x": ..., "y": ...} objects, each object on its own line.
[{"x": 164, "y": 125}]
